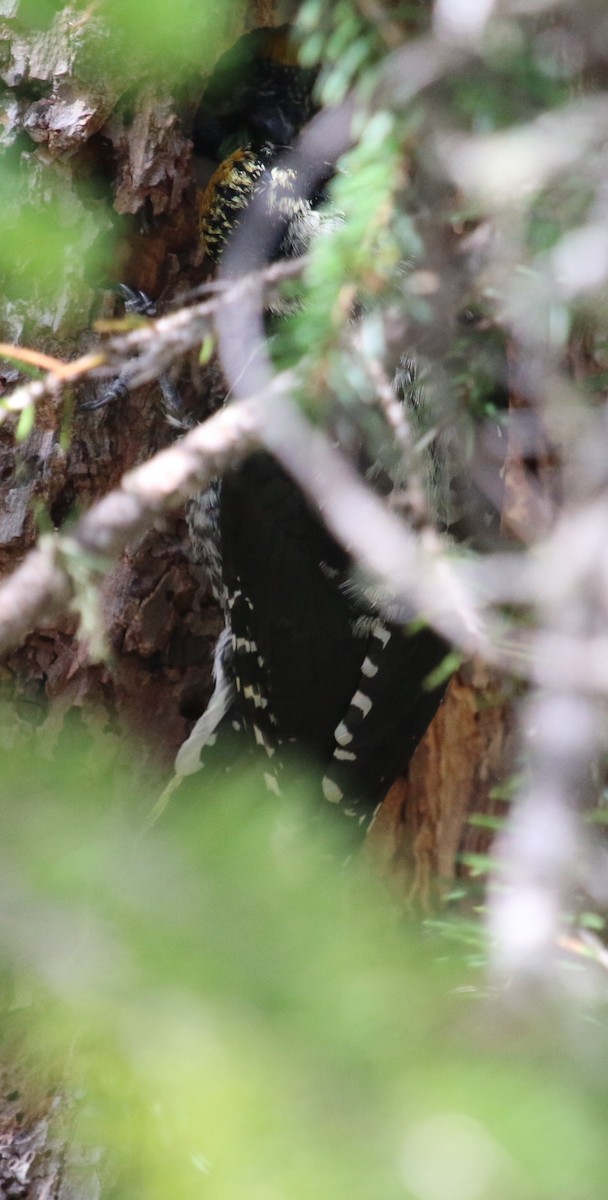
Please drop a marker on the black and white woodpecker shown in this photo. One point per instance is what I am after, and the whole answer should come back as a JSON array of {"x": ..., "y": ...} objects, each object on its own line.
[{"x": 305, "y": 661}]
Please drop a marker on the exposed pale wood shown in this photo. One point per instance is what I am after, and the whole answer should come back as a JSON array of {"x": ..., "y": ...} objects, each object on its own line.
[{"x": 422, "y": 829}]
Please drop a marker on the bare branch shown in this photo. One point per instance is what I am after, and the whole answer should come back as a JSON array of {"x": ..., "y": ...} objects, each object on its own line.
[
  {"x": 42, "y": 585},
  {"x": 411, "y": 576},
  {"x": 144, "y": 353},
  {"x": 539, "y": 852}
]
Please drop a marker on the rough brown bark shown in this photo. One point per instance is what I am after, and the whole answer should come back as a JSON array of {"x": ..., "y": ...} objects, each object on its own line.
[
  {"x": 424, "y": 828},
  {"x": 161, "y": 624}
]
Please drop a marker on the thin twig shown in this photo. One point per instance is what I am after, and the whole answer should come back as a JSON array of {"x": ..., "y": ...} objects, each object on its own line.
[{"x": 144, "y": 353}]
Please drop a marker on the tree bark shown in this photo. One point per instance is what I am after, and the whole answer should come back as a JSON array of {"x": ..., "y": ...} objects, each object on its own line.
[{"x": 160, "y": 619}]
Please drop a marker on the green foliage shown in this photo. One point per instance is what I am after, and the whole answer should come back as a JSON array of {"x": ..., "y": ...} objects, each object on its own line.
[
  {"x": 145, "y": 35},
  {"x": 406, "y": 201},
  {"x": 444, "y": 671},
  {"x": 347, "y": 41},
  {"x": 509, "y": 84},
  {"x": 55, "y": 236},
  {"x": 186, "y": 35},
  {"x": 57, "y": 224},
  {"x": 25, "y": 424},
  {"x": 243, "y": 1016}
]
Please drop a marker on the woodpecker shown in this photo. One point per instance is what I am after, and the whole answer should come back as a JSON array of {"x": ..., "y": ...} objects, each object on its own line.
[
  {"x": 306, "y": 662},
  {"x": 247, "y": 172}
]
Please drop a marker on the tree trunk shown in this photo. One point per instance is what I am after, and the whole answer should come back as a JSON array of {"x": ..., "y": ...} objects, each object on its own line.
[{"x": 160, "y": 620}]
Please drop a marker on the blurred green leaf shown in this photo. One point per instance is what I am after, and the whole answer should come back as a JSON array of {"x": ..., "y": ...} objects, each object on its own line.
[
  {"x": 245, "y": 1017},
  {"x": 485, "y": 821},
  {"x": 185, "y": 36},
  {"x": 25, "y": 424},
  {"x": 54, "y": 241}
]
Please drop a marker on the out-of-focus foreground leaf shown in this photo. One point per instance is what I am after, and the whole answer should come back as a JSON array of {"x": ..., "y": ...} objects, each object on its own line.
[{"x": 243, "y": 1016}]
